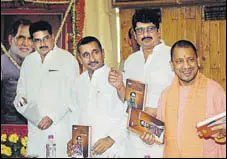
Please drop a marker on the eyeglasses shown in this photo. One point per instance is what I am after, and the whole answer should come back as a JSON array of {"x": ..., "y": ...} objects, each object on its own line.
[
  {"x": 44, "y": 39},
  {"x": 149, "y": 29},
  {"x": 21, "y": 39}
]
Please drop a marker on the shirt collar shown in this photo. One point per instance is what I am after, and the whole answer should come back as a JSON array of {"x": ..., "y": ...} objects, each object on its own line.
[
  {"x": 157, "y": 47},
  {"x": 50, "y": 53},
  {"x": 98, "y": 72}
]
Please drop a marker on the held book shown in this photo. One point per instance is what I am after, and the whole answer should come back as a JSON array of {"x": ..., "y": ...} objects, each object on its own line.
[
  {"x": 135, "y": 94},
  {"x": 140, "y": 122},
  {"x": 204, "y": 128},
  {"x": 81, "y": 140}
]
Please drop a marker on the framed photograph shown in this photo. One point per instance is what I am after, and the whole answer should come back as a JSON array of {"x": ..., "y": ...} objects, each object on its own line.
[
  {"x": 54, "y": 16},
  {"x": 161, "y": 3},
  {"x": 11, "y": 12}
]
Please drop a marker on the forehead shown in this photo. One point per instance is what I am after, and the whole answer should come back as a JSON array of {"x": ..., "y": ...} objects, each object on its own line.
[
  {"x": 40, "y": 34},
  {"x": 89, "y": 47},
  {"x": 23, "y": 30},
  {"x": 143, "y": 25},
  {"x": 180, "y": 52}
]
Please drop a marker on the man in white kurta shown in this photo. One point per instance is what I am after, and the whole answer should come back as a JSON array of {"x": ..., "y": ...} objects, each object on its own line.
[
  {"x": 157, "y": 74},
  {"x": 46, "y": 83},
  {"x": 149, "y": 65},
  {"x": 100, "y": 106},
  {"x": 98, "y": 101}
]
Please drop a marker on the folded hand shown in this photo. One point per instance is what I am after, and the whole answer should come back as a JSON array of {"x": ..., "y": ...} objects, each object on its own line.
[
  {"x": 45, "y": 123},
  {"x": 221, "y": 132},
  {"x": 102, "y": 145},
  {"x": 147, "y": 138}
]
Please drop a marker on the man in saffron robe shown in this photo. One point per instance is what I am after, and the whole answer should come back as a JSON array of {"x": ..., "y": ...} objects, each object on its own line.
[{"x": 190, "y": 98}]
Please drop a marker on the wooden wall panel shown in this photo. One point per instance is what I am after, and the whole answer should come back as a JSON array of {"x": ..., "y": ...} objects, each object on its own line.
[
  {"x": 126, "y": 23},
  {"x": 188, "y": 23},
  {"x": 172, "y": 25},
  {"x": 222, "y": 37}
]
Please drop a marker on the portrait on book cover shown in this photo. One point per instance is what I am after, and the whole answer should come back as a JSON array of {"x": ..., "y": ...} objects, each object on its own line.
[
  {"x": 140, "y": 122},
  {"x": 81, "y": 136},
  {"x": 135, "y": 94}
]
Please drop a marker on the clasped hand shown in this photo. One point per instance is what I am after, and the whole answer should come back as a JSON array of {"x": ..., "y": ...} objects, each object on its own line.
[
  {"x": 147, "y": 138},
  {"x": 221, "y": 133},
  {"x": 102, "y": 145},
  {"x": 45, "y": 123}
]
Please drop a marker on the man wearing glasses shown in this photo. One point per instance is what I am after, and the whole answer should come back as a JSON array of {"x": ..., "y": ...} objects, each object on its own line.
[
  {"x": 150, "y": 65},
  {"x": 44, "y": 86},
  {"x": 20, "y": 46}
]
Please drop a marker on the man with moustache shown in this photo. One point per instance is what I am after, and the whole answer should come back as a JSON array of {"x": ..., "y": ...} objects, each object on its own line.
[
  {"x": 149, "y": 65},
  {"x": 98, "y": 101},
  {"x": 20, "y": 46},
  {"x": 45, "y": 84},
  {"x": 191, "y": 98}
]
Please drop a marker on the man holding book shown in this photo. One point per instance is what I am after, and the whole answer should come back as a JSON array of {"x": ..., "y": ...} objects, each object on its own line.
[
  {"x": 149, "y": 65},
  {"x": 98, "y": 101},
  {"x": 190, "y": 98}
]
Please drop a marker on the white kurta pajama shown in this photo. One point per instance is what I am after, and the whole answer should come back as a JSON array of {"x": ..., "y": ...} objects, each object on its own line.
[
  {"x": 49, "y": 85},
  {"x": 157, "y": 73},
  {"x": 100, "y": 108}
]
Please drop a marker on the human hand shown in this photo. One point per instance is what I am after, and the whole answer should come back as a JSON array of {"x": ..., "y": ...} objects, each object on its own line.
[
  {"x": 116, "y": 78},
  {"x": 221, "y": 132},
  {"x": 102, "y": 145},
  {"x": 151, "y": 111},
  {"x": 45, "y": 123},
  {"x": 19, "y": 100},
  {"x": 70, "y": 148},
  {"x": 147, "y": 138}
]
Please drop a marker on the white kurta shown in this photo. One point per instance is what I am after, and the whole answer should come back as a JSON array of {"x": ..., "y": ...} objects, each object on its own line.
[
  {"x": 100, "y": 108},
  {"x": 157, "y": 73},
  {"x": 49, "y": 85}
]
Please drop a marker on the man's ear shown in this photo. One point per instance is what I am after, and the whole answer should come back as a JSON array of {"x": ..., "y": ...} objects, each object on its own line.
[
  {"x": 199, "y": 62},
  {"x": 159, "y": 32},
  {"x": 130, "y": 42},
  {"x": 79, "y": 59},
  {"x": 134, "y": 35},
  {"x": 10, "y": 39},
  {"x": 171, "y": 65},
  {"x": 53, "y": 37},
  {"x": 103, "y": 52}
]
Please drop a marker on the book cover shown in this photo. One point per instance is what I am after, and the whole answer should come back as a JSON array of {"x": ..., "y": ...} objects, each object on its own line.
[
  {"x": 81, "y": 139},
  {"x": 135, "y": 94},
  {"x": 204, "y": 128},
  {"x": 140, "y": 122}
]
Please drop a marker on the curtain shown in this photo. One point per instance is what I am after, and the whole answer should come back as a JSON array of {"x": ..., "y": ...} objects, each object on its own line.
[{"x": 100, "y": 21}]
